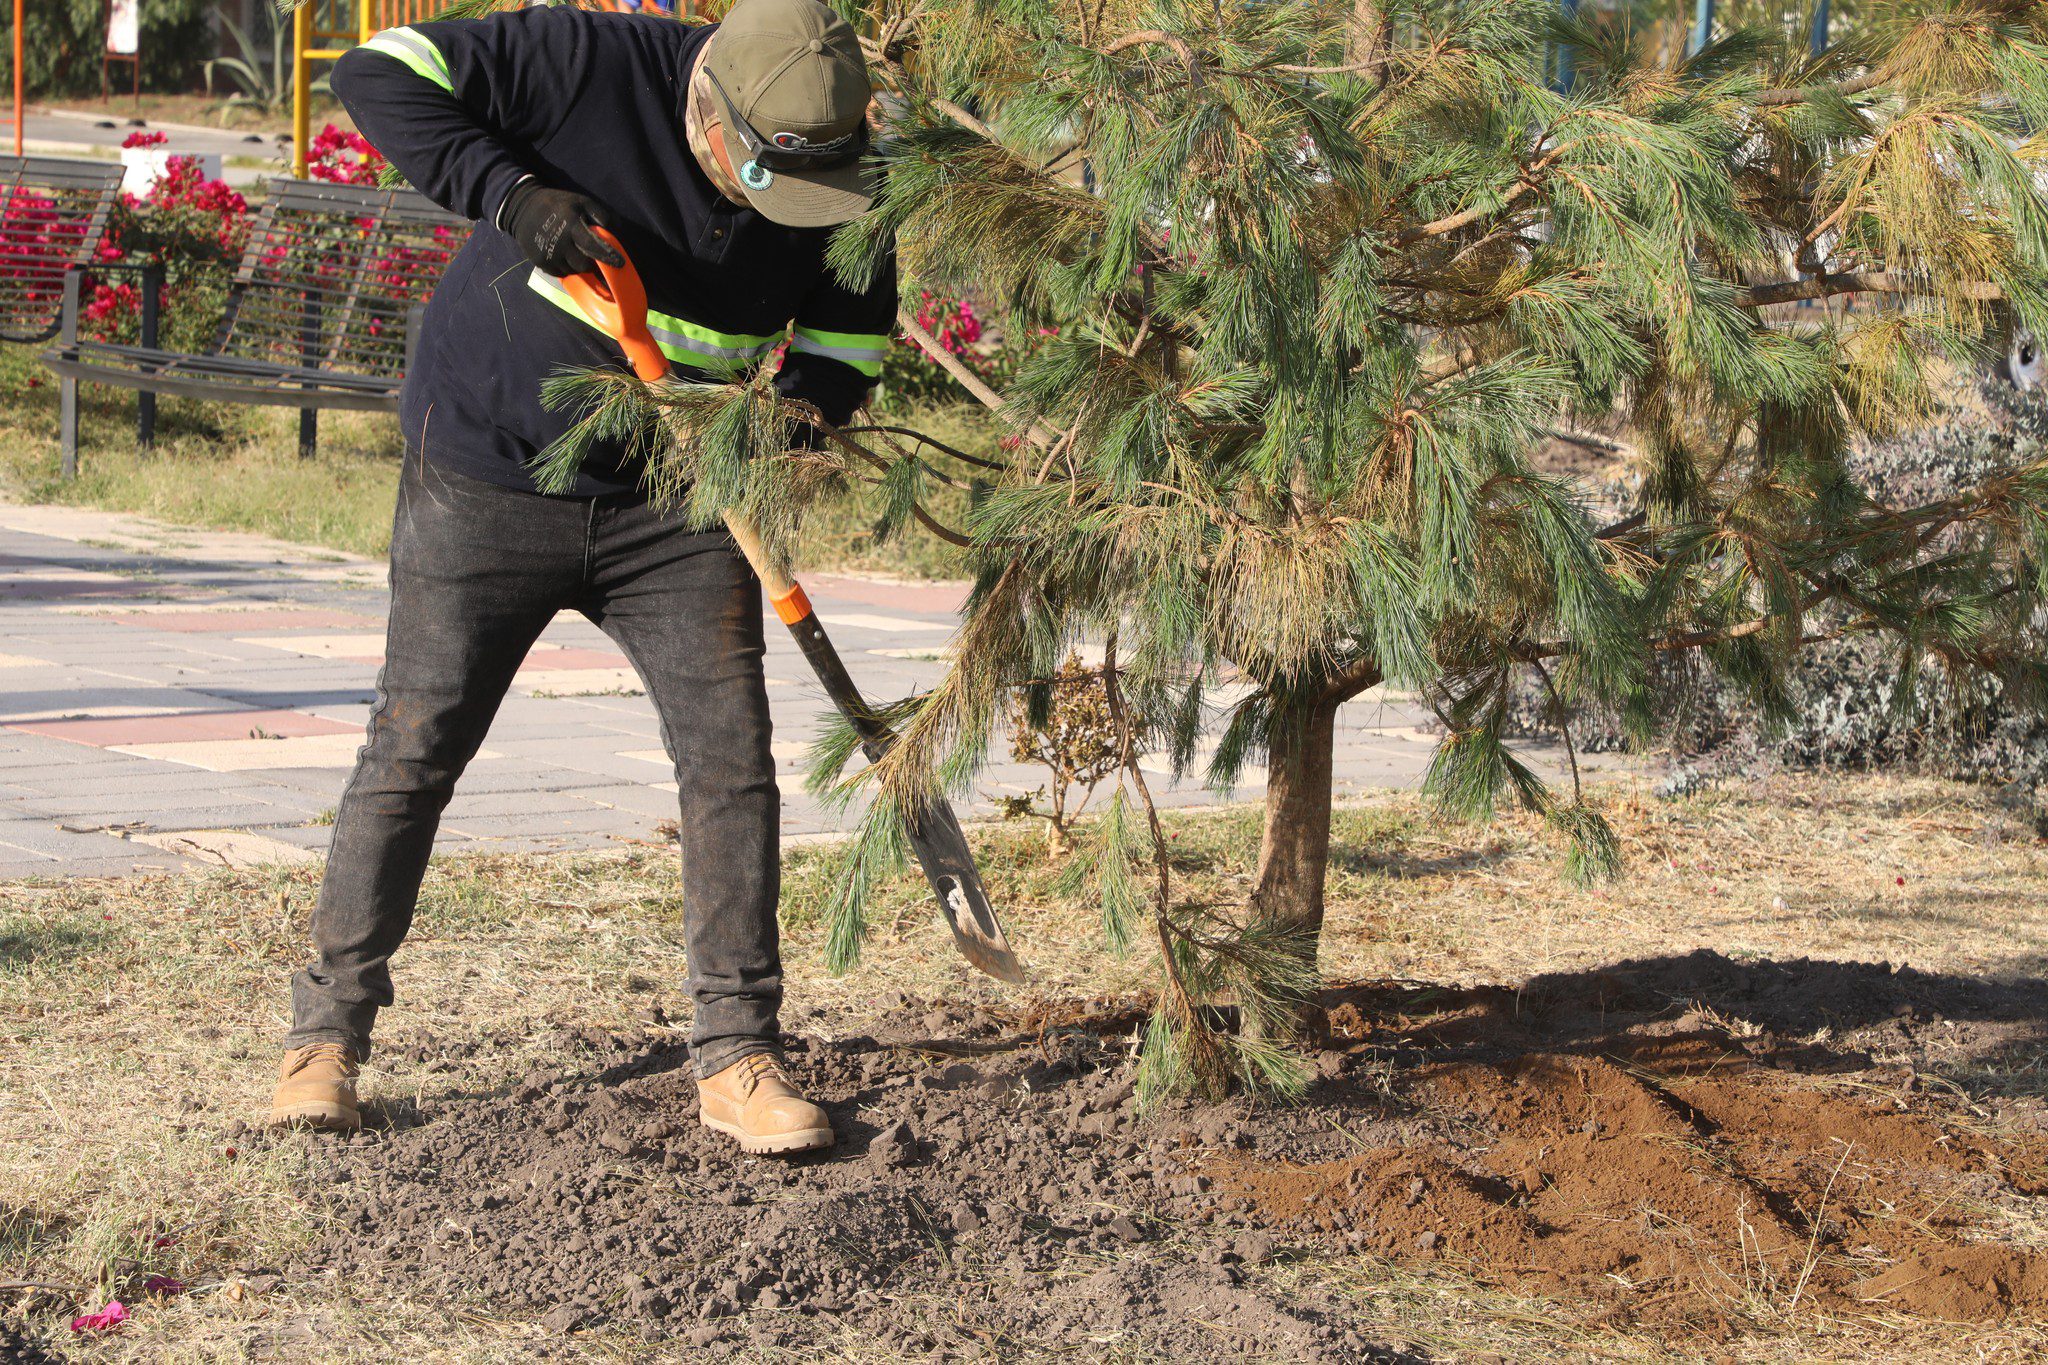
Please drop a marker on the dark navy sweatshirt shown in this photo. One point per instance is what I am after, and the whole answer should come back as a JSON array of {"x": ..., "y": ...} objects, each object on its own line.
[{"x": 591, "y": 102}]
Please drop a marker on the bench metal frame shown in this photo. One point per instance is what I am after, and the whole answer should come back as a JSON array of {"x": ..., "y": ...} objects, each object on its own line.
[{"x": 307, "y": 325}]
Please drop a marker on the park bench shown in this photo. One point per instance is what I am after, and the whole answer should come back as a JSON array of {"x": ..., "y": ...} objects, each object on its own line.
[
  {"x": 53, "y": 216},
  {"x": 323, "y": 311}
]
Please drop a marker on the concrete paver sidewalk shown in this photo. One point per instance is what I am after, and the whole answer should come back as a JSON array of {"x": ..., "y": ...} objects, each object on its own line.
[{"x": 172, "y": 698}]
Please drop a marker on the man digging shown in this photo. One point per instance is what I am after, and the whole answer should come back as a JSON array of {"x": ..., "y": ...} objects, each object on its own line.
[{"x": 720, "y": 156}]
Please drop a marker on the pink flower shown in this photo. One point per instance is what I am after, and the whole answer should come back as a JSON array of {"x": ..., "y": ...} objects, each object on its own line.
[
  {"x": 342, "y": 157},
  {"x": 106, "y": 1320},
  {"x": 145, "y": 139}
]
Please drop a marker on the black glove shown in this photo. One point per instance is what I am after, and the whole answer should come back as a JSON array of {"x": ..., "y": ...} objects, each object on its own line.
[{"x": 553, "y": 228}]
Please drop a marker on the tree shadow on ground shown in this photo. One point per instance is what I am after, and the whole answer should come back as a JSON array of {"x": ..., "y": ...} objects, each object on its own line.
[{"x": 1810, "y": 1015}]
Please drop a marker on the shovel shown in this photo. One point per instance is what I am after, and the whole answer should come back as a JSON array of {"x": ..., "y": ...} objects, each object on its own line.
[{"x": 614, "y": 298}]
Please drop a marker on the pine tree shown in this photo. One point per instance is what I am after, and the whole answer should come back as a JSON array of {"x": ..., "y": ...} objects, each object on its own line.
[{"x": 1323, "y": 276}]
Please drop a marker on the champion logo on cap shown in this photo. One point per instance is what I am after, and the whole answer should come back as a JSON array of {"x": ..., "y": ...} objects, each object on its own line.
[{"x": 797, "y": 142}]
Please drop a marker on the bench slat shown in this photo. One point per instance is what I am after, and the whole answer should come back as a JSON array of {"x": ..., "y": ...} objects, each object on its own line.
[
  {"x": 317, "y": 316},
  {"x": 53, "y": 215},
  {"x": 331, "y": 272}
]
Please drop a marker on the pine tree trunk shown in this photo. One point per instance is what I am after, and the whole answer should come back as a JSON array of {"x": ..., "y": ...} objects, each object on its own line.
[{"x": 1294, "y": 854}]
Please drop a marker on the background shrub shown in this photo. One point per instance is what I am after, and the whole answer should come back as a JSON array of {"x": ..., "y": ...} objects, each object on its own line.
[
  {"x": 64, "y": 39},
  {"x": 1845, "y": 704}
]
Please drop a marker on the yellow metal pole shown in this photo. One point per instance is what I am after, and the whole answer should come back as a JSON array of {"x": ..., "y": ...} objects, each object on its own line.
[
  {"x": 367, "y": 27},
  {"x": 302, "y": 104}
]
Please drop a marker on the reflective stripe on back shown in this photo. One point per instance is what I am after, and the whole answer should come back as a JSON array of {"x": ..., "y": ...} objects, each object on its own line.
[{"x": 412, "y": 48}]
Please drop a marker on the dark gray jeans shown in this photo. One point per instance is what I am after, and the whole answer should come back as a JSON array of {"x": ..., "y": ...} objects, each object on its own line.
[{"x": 476, "y": 572}]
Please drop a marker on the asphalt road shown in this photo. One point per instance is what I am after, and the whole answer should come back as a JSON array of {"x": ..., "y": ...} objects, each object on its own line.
[{"x": 99, "y": 137}]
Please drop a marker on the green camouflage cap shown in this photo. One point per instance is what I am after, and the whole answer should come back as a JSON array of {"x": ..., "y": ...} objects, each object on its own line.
[{"x": 789, "y": 78}]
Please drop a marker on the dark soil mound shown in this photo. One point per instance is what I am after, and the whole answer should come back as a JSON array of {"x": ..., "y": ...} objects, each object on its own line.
[
  {"x": 19, "y": 1348},
  {"x": 1689, "y": 1141}
]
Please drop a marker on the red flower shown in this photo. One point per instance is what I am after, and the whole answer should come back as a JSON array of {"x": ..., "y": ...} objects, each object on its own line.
[
  {"x": 106, "y": 1320},
  {"x": 342, "y": 158}
]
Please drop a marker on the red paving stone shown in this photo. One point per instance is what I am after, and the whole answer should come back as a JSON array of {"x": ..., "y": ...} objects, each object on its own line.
[
  {"x": 228, "y": 622},
  {"x": 176, "y": 726},
  {"x": 942, "y": 598}
]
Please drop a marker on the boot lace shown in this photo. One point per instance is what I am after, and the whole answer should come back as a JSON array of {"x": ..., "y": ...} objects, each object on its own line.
[
  {"x": 341, "y": 1054},
  {"x": 759, "y": 1067}
]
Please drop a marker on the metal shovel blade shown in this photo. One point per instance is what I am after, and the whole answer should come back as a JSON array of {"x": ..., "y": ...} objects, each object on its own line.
[
  {"x": 935, "y": 834},
  {"x": 942, "y": 852}
]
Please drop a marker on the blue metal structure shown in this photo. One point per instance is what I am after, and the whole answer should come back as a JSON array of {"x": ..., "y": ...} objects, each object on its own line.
[
  {"x": 1702, "y": 33},
  {"x": 1567, "y": 55}
]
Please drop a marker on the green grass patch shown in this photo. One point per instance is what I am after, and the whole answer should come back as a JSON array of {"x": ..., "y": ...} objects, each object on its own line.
[{"x": 214, "y": 465}]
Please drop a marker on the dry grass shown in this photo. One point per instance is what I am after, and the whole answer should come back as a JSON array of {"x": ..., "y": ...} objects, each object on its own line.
[
  {"x": 1940, "y": 876},
  {"x": 138, "y": 1021}
]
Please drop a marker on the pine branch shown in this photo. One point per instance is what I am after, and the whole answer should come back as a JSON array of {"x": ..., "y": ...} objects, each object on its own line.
[
  {"x": 922, "y": 439},
  {"x": 1179, "y": 1008},
  {"x": 1360, "y": 676},
  {"x": 965, "y": 119},
  {"x": 969, "y": 380},
  {"x": 1777, "y": 98},
  {"x": 1443, "y": 227},
  {"x": 1153, "y": 37},
  {"x": 1864, "y": 282}
]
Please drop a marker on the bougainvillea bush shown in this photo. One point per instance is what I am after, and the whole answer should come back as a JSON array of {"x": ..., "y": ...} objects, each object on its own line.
[
  {"x": 342, "y": 157},
  {"x": 992, "y": 346},
  {"x": 190, "y": 225},
  {"x": 38, "y": 231}
]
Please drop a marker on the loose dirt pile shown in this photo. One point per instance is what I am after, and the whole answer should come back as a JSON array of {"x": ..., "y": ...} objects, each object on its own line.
[{"x": 1689, "y": 1142}]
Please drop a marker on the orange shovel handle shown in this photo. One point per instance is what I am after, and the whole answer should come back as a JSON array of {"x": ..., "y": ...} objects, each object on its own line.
[{"x": 613, "y": 297}]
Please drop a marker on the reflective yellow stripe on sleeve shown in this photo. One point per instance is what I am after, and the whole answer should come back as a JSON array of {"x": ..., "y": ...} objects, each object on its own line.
[
  {"x": 412, "y": 48},
  {"x": 683, "y": 341},
  {"x": 862, "y": 350}
]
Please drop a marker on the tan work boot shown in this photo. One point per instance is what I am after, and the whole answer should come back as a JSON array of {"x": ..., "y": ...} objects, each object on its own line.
[
  {"x": 753, "y": 1101},
  {"x": 316, "y": 1086}
]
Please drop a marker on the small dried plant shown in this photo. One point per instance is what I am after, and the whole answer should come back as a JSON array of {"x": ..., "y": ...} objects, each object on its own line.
[{"x": 1064, "y": 724}]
